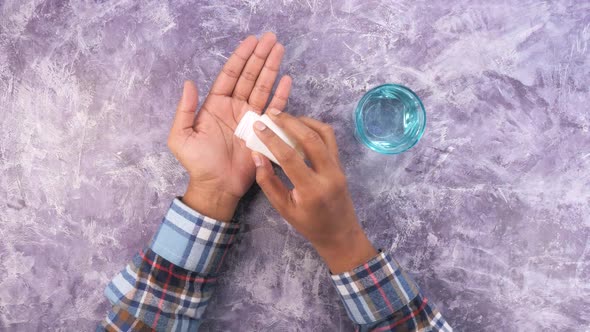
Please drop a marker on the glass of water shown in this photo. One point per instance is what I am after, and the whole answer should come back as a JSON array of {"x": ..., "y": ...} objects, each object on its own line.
[{"x": 389, "y": 119}]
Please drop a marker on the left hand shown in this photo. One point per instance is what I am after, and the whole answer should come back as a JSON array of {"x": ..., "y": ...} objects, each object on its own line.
[{"x": 219, "y": 164}]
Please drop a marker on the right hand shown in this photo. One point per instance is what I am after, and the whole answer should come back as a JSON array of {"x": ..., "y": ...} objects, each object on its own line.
[{"x": 319, "y": 206}]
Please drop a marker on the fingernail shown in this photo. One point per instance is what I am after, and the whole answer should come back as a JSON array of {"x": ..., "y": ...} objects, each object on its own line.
[
  {"x": 274, "y": 111},
  {"x": 257, "y": 160},
  {"x": 259, "y": 125}
]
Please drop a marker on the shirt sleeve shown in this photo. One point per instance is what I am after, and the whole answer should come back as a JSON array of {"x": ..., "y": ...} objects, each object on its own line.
[
  {"x": 167, "y": 285},
  {"x": 380, "y": 296}
]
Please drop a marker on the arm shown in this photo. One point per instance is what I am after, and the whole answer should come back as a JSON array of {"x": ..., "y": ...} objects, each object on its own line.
[
  {"x": 167, "y": 286},
  {"x": 377, "y": 294}
]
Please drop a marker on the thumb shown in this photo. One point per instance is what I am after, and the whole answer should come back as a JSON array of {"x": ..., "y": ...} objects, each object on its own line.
[
  {"x": 185, "y": 112},
  {"x": 273, "y": 188}
]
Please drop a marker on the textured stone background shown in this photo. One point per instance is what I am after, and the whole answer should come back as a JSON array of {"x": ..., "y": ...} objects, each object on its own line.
[{"x": 490, "y": 211}]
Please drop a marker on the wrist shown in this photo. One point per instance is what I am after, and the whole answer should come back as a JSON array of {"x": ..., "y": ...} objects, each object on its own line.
[
  {"x": 214, "y": 204},
  {"x": 346, "y": 251}
]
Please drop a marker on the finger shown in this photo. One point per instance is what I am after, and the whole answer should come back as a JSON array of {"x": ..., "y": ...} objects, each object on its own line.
[
  {"x": 228, "y": 77},
  {"x": 266, "y": 80},
  {"x": 279, "y": 100},
  {"x": 325, "y": 131},
  {"x": 269, "y": 182},
  {"x": 185, "y": 112},
  {"x": 293, "y": 165},
  {"x": 311, "y": 142},
  {"x": 254, "y": 66}
]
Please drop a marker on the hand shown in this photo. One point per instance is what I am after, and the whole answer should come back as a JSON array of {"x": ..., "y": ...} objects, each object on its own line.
[
  {"x": 319, "y": 206},
  {"x": 218, "y": 163}
]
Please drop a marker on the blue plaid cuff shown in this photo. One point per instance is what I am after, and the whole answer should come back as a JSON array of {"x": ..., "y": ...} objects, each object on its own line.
[
  {"x": 193, "y": 241},
  {"x": 375, "y": 290}
]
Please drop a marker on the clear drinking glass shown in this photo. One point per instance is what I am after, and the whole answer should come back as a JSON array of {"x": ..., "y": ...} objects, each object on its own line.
[{"x": 389, "y": 119}]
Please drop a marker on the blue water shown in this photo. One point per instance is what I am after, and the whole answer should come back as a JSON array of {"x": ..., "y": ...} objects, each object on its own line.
[{"x": 391, "y": 119}]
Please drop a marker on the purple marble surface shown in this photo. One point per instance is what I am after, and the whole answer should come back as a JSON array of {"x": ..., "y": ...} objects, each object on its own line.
[{"x": 489, "y": 212}]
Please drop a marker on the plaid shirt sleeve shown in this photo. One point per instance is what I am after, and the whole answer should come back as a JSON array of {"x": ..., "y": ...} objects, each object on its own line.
[
  {"x": 379, "y": 296},
  {"x": 167, "y": 285}
]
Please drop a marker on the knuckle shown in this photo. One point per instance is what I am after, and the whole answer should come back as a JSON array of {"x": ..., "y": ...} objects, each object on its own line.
[
  {"x": 230, "y": 72},
  {"x": 327, "y": 129},
  {"x": 319, "y": 202},
  {"x": 257, "y": 104},
  {"x": 263, "y": 88},
  {"x": 278, "y": 119},
  {"x": 262, "y": 178},
  {"x": 240, "y": 57},
  {"x": 240, "y": 96},
  {"x": 338, "y": 185},
  {"x": 287, "y": 155},
  {"x": 311, "y": 137},
  {"x": 249, "y": 76},
  {"x": 314, "y": 204},
  {"x": 279, "y": 102},
  {"x": 259, "y": 57},
  {"x": 272, "y": 68},
  {"x": 312, "y": 198}
]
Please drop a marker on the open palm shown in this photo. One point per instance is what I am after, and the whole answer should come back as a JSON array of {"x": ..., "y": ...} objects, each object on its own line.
[{"x": 218, "y": 162}]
